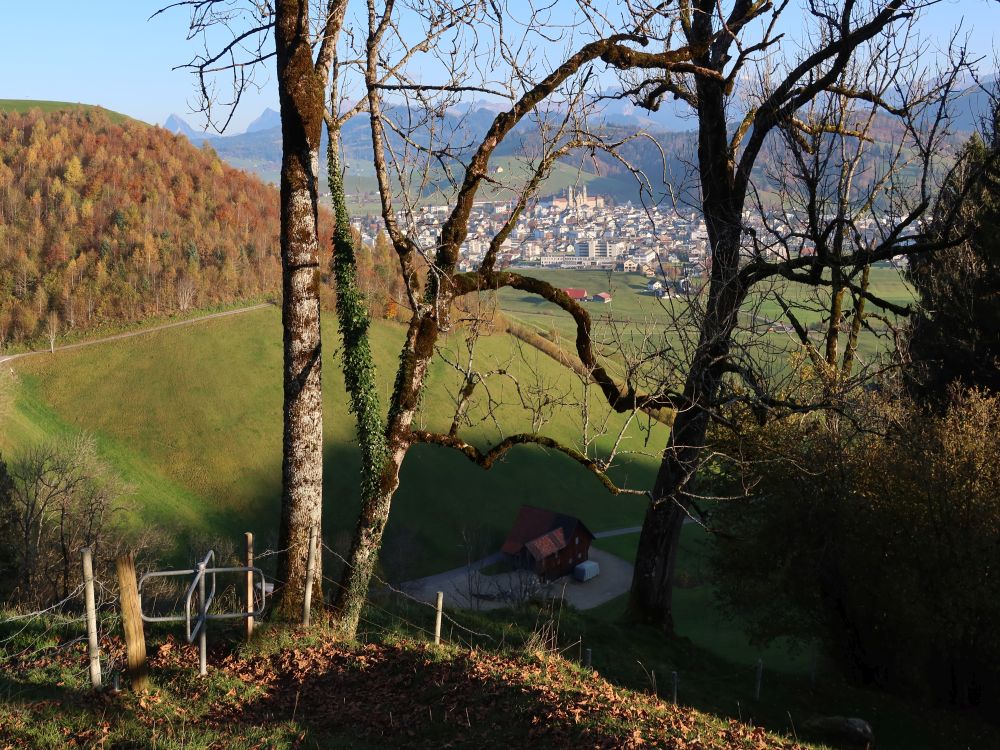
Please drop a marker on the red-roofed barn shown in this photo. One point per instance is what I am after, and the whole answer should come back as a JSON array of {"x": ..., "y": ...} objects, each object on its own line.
[
  {"x": 580, "y": 295},
  {"x": 549, "y": 543}
]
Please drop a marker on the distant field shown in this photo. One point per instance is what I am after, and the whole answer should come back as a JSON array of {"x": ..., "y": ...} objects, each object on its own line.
[
  {"x": 632, "y": 308},
  {"x": 26, "y": 105},
  {"x": 192, "y": 417}
]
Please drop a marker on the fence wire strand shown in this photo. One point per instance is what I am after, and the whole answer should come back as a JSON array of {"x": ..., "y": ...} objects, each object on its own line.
[
  {"x": 68, "y": 630},
  {"x": 73, "y": 626},
  {"x": 410, "y": 597}
]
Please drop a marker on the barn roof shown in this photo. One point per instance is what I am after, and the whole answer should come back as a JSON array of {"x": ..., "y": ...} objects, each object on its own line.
[
  {"x": 543, "y": 532},
  {"x": 547, "y": 544},
  {"x": 574, "y": 293}
]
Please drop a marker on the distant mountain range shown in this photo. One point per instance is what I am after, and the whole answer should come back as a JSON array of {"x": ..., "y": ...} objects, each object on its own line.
[{"x": 258, "y": 149}]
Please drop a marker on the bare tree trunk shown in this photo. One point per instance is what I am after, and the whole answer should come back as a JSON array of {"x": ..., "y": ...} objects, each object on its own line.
[
  {"x": 302, "y": 445},
  {"x": 722, "y": 203},
  {"x": 53, "y": 330},
  {"x": 651, "y": 598}
]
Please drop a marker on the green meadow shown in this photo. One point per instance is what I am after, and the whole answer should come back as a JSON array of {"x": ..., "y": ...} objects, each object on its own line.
[
  {"x": 192, "y": 418},
  {"x": 633, "y": 309}
]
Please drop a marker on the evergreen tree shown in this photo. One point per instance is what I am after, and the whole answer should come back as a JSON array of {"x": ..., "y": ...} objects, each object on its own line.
[{"x": 955, "y": 336}]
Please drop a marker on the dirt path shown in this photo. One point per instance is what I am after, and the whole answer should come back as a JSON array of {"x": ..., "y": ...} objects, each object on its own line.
[{"x": 132, "y": 334}]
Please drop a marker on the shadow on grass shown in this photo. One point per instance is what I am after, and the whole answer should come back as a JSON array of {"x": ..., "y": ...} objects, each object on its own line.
[
  {"x": 643, "y": 658},
  {"x": 415, "y": 696}
]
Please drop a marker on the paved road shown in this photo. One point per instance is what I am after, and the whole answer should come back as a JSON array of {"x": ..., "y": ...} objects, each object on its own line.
[
  {"x": 132, "y": 334},
  {"x": 617, "y": 532},
  {"x": 444, "y": 581}
]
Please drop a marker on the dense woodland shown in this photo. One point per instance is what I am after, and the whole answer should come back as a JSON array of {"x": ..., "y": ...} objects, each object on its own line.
[{"x": 104, "y": 222}]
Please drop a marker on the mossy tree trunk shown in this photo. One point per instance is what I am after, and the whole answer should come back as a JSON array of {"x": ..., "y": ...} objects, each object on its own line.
[
  {"x": 360, "y": 381},
  {"x": 301, "y": 89}
]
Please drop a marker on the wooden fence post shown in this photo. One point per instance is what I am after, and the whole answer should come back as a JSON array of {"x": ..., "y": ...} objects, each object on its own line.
[
  {"x": 439, "y": 607},
  {"x": 310, "y": 575},
  {"x": 249, "y": 593},
  {"x": 92, "y": 647},
  {"x": 135, "y": 639}
]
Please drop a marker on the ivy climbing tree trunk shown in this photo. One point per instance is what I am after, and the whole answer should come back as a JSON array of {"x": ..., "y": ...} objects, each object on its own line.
[{"x": 360, "y": 380}]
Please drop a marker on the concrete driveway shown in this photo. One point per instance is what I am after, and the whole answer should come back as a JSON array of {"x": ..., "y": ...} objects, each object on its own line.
[{"x": 467, "y": 588}]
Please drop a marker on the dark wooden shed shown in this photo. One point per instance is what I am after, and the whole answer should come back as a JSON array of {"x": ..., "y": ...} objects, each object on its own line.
[{"x": 549, "y": 543}]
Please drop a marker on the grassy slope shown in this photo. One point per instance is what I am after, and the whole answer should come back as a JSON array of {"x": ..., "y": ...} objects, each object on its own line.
[
  {"x": 213, "y": 390},
  {"x": 193, "y": 418}
]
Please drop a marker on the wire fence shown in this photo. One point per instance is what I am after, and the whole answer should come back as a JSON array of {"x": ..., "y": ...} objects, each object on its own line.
[
  {"x": 57, "y": 633},
  {"x": 406, "y": 596},
  {"x": 52, "y": 632}
]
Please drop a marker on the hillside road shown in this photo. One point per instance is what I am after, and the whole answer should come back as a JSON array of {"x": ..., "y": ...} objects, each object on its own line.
[{"x": 132, "y": 334}]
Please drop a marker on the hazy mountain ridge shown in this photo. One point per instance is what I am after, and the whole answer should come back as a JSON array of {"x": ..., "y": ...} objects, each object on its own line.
[{"x": 665, "y": 163}]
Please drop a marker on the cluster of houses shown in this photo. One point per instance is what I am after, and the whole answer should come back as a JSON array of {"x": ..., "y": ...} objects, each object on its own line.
[
  {"x": 568, "y": 230},
  {"x": 575, "y": 230},
  {"x": 580, "y": 295}
]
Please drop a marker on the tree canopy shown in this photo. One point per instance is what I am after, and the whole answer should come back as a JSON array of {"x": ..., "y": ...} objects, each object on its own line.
[{"x": 955, "y": 335}]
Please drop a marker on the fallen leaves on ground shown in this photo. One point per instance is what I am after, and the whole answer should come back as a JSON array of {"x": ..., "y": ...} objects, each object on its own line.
[{"x": 408, "y": 694}]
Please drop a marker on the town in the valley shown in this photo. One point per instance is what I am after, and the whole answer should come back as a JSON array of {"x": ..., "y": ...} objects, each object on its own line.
[{"x": 575, "y": 230}]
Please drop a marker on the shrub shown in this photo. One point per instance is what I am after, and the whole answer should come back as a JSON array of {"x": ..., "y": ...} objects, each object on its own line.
[{"x": 884, "y": 543}]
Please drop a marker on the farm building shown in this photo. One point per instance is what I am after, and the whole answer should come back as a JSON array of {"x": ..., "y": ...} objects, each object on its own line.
[
  {"x": 549, "y": 543},
  {"x": 580, "y": 295},
  {"x": 602, "y": 297}
]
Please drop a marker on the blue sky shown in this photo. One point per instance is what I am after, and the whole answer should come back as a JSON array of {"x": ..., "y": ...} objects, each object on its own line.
[{"x": 106, "y": 52}]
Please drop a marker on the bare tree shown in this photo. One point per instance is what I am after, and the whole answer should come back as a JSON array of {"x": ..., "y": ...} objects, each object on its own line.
[
  {"x": 711, "y": 365},
  {"x": 186, "y": 290},
  {"x": 54, "y": 499},
  {"x": 405, "y": 165},
  {"x": 52, "y": 329},
  {"x": 857, "y": 62}
]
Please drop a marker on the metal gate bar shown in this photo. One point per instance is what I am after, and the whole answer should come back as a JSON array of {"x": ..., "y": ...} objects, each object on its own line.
[{"x": 200, "y": 573}]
